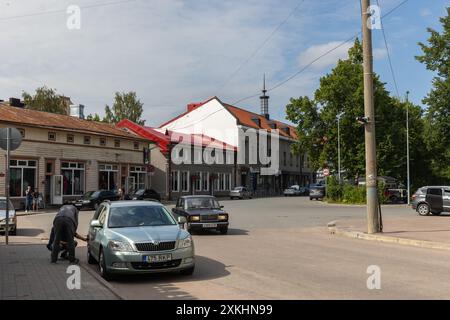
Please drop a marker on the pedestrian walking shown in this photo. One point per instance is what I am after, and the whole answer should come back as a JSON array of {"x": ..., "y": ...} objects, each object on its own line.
[
  {"x": 28, "y": 199},
  {"x": 36, "y": 200},
  {"x": 121, "y": 194},
  {"x": 65, "y": 227}
]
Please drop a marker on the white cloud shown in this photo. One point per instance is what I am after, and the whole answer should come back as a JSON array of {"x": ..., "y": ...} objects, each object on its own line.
[{"x": 331, "y": 58}]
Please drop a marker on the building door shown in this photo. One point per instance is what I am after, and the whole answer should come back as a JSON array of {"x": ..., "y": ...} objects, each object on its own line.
[{"x": 57, "y": 189}]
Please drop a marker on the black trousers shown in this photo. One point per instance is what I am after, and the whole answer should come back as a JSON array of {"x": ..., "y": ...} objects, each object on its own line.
[{"x": 64, "y": 231}]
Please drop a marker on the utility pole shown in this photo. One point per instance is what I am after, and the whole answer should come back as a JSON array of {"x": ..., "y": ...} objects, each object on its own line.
[
  {"x": 8, "y": 147},
  {"x": 408, "y": 182},
  {"x": 373, "y": 219},
  {"x": 339, "y": 147}
]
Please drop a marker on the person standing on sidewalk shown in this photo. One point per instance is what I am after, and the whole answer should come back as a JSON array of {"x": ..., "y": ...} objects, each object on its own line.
[
  {"x": 36, "y": 200},
  {"x": 28, "y": 199},
  {"x": 65, "y": 227}
]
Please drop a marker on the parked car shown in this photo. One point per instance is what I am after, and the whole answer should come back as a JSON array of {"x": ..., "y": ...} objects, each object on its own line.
[
  {"x": 128, "y": 237},
  {"x": 316, "y": 191},
  {"x": 240, "y": 193},
  {"x": 396, "y": 195},
  {"x": 431, "y": 199},
  {"x": 295, "y": 190},
  {"x": 146, "y": 194},
  {"x": 202, "y": 212},
  {"x": 12, "y": 221},
  {"x": 92, "y": 199}
]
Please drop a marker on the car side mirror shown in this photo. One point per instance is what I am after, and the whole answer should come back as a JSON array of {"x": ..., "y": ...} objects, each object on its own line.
[
  {"x": 96, "y": 224},
  {"x": 181, "y": 220}
]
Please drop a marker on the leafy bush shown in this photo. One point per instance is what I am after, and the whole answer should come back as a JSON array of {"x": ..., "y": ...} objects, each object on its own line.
[
  {"x": 354, "y": 194},
  {"x": 334, "y": 190}
]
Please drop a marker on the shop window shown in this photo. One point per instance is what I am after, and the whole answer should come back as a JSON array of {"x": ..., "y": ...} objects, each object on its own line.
[
  {"x": 22, "y": 174},
  {"x": 175, "y": 181}
]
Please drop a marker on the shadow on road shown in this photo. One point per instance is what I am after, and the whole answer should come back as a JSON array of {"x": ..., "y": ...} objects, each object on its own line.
[
  {"x": 29, "y": 232},
  {"x": 231, "y": 232}
]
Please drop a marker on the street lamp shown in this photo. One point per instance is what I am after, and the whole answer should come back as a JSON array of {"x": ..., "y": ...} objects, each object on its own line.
[
  {"x": 407, "y": 148},
  {"x": 339, "y": 115}
]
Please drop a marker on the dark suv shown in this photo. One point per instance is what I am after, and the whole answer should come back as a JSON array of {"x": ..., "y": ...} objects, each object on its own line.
[{"x": 431, "y": 199}]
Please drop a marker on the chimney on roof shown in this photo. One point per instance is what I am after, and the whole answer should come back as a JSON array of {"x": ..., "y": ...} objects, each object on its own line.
[
  {"x": 15, "y": 102},
  {"x": 264, "y": 101},
  {"x": 192, "y": 106},
  {"x": 77, "y": 111}
]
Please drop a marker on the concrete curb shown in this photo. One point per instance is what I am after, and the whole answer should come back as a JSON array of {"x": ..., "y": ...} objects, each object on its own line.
[
  {"x": 333, "y": 229},
  {"x": 102, "y": 281}
]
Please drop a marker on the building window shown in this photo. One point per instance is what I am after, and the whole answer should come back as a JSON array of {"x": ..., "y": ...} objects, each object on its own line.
[
  {"x": 73, "y": 178},
  {"x": 291, "y": 158},
  {"x": 70, "y": 138},
  {"x": 103, "y": 141},
  {"x": 22, "y": 174},
  {"x": 138, "y": 173},
  {"x": 198, "y": 181},
  {"x": 136, "y": 145},
  {"x": 87, "y": 140},
  {"x": 205, "y": 181},
  {"x": 175, "y": 181},
  {"x": 117, "y": 143},
  {"x": 108, "y": 176},
  {"x": 185, "y": 181},
  {"x": 52, "y": 136},
  {"x": 22, "y": 132}
]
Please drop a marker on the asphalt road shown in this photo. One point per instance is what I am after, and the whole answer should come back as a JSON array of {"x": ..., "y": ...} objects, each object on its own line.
[{"x": 278, "y": 248}]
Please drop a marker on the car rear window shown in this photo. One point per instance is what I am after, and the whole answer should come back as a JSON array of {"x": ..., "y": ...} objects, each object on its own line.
[{"x": 435, "y": 191}]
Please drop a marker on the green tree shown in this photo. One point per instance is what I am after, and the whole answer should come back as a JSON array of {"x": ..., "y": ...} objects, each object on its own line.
[
  {"x": 94, "y": 117},
  {"x": 126, "y": 106},
  {"x": 436, "y": 57},
  {"x": 342, "y": 92},
  {"x": 46, "y": 99}
]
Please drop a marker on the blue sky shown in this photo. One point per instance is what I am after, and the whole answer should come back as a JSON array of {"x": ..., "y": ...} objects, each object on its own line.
[{"x": 173, "y": 52}]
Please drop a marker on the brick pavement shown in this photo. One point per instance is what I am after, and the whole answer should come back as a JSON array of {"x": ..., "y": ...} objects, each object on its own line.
[{"x": 26, "y": 273}]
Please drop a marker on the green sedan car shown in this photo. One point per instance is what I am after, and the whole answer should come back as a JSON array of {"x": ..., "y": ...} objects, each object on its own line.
[{"x": 138, "y": 237}]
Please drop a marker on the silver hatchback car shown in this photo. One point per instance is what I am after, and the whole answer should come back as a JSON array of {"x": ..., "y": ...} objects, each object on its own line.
[
  {"x": 138, "y": 237},
  {"x": 431, "y": 199}
]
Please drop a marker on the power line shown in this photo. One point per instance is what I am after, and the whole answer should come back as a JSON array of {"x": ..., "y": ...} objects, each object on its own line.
[
  {"x": 64, "y": 10},
  {"x": 388, "y": 54},
  {"x": 235, "y": 72},
  {"x": 319, "y": 57}
]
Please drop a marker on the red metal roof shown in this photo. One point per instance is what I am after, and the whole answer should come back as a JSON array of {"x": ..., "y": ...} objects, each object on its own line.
[
  {"x": 164, "y": 140},
  {"x": 245, "y": 118}
]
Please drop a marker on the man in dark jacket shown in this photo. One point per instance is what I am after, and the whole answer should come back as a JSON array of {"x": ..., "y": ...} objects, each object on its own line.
[{"x": 65, "y": 227}]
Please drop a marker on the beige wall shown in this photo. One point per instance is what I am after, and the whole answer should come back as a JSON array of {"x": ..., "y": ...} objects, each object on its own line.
[{"x": 36, "y": 146}]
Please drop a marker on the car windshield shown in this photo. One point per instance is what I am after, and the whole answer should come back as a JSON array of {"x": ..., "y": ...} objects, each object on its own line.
[
  {"x": 140, "y": 192},
  {"x": 3, "y": 205},
  {"x": 90, "y": 194},
  {"x": 202, "y": 203},
  {"x": 139, "y": 216}
]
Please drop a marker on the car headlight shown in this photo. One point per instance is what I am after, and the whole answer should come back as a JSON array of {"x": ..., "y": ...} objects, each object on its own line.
[
  {"x": 194, "y": 218},
  {"x": 11, "y": 220},
  {"x": 115, "y": 245},
  {"x": 223, "y": 217},
  {"x": 185, "y": 243}
]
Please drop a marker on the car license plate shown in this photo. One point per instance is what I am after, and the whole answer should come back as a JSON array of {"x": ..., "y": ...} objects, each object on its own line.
[
  {"x": 210, "y": 225},
  {"x": 158, "y": 258}
]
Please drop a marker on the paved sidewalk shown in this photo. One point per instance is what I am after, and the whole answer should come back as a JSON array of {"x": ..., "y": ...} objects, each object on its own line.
[
  {"x": 420, "y": 229},
  {"x": 26, "y": 273}
]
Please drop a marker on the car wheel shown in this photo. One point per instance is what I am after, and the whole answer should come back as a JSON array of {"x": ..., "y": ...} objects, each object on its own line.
[
  {"x": 423, "y": 209},
  {"x": 102, "y": 266},
  {"x": 393, "y": 199},
  {"x": 90, "y": 258},
  {"x": 223, "y": 230},
  {"x": 310, "y": 199},
  {"x": 188, "y": 271}
]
